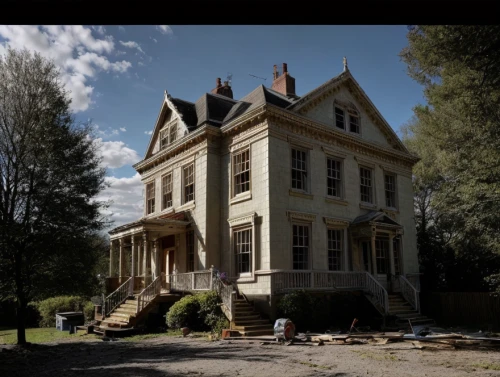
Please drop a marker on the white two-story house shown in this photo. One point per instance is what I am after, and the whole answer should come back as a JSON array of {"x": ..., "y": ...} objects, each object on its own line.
[{"x": 277, "y": 190}]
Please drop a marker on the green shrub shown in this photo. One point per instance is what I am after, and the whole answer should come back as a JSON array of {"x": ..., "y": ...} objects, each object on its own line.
[
  {"x": 49, "y": 307},
  {"x": 89, "y": 311},
  {"x": 199, "y": 312}
]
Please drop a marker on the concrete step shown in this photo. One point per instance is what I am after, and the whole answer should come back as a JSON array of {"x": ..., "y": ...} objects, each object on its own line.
[
  {"x": 129, "y": 311},
  {"x": 257, "y": 332},
  {"x": 122, "y": 316},
  {"x": 131, "y": 302},
  {"x": 252, "y": 322},
  {"x": 131, "y": 306},
  {"x": 248, "y": 317},
  {"x": 253, "y": 327}
]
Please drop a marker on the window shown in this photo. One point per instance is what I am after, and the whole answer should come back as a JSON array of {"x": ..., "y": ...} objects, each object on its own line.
[
  {"x": 382, "y": 253},
  {"x": 334, "y": 183},
  {"x": 354, "y": 123},
  {"x": 334, "y": 249},
  {"x": 366, "y": 185},
  {"x": 150, "y": 197},
  {"x": 166, "y": 186},
  {"x": 300, "y": 247},
  {"x": 189, "y": 183},
  {"x": 390, "y": 190},
  {"x": 397, "y": 253},
  {"x": 172, "y": 133},
  {"x": 243, "y": 250},
  {"x": 163, "y": 138},
  {"x": 299, "y": 169},
  {"x": 190, "y": 250},
  {"x": 241, "y": 172},
  {"x": 339, "y": 118}
]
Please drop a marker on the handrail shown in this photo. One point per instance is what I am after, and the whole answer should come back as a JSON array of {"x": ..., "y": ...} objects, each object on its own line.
[
  {"x": 190, "y": 281},
  {"x": 148, "y": 294},
  {"x": 379, "y": 293},
  {"x": 409, "y": 292},
  {"x": 226, "y": 293},
  {"x": 116, "y": 298}
]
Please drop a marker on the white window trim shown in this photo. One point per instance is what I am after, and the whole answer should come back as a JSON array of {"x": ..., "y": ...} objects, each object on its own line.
[
  {"x": 166, "y": 129},
  {"x": 396, "y": 201},
  {"x": 236, "y": 198},
  {"x": 347, "y": 118},
  {"x": 308, "y": 168},
  {"x": 343, "y": 225},
  {"x": 342, "y": 176},
  {"x": 171, "y": 173},
  {"x": 146, "y": 184},
  {"x": 308, "y": 224},
  {"x": 373, "y": 186},
  {"x": 247, "y": 221},
  {"x": 358, "y": 115},
  {"x": 183, "y": 192}
]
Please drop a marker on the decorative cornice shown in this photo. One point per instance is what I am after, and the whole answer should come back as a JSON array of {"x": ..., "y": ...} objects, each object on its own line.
[
  {"x": 293, "y": 215},
  {"x": 332, "y": 221},
  {"x": 242, "y": 219}
]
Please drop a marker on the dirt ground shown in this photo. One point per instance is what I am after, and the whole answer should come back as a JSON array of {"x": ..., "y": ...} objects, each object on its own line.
[{"x": 177, "y": 356}]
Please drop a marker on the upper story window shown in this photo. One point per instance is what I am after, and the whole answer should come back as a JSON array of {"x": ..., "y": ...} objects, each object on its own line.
[
  {"x": 300, "y": 246},
  {"x": 241, "y": 172},
  {"x": 366, "y": 185},
  {"x": 390, "y": 190},
  {"x": 354, "y": 123},
  {"x": 188, "y": 177},
  {"x": 334, "y": 177},
  {"x": 168, "y": 134},
  {"x": 150, "y": 198},
  {"x": 335, "y": 249},
  {"x": 299, "y": 169},
  {"x": 339, "y": 118},
  {"x": 166, "y": 187}
]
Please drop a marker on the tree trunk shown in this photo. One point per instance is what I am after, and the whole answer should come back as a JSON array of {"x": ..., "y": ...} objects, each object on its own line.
[{"x": 21, "y": 321}]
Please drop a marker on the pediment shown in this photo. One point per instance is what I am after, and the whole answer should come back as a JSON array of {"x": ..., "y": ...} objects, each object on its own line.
[
  {"x": 167, "y": 117},
  {"x": 344, "y": 91}
]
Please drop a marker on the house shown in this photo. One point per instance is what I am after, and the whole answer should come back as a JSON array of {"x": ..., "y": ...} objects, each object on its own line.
[{"x": 277, "y": 190}]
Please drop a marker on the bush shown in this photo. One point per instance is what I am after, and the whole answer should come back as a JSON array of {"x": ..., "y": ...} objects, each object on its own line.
[
  {"x": 49, "y": 307},
  {"x": 89, "y": 311},
  {"x": 199, "y": 312}
]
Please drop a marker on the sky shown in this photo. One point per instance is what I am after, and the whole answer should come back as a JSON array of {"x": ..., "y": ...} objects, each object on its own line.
[{"x": 117, "y": 76}]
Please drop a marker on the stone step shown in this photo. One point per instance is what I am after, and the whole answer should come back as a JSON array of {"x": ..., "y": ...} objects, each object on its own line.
[
  {"x": 131, "y": 302},
  {"x": 120, "y": 315},
  {"x": 269, "y": 331},
  {"x": 252, "y": 327},
  {"x": 251, "y": 322},
  {"x": 129, "y": 311},
  {"x": 115, "y": 324},
  {"x": 248, "y": 317},
  {"x": 131, "y": 306},
  {"x": 243, "y": 308}
]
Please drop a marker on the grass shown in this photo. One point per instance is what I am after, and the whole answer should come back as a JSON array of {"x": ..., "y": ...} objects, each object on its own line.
[
  {"x": 40, "y": 335},
  {"x": 490, "y": 366}
]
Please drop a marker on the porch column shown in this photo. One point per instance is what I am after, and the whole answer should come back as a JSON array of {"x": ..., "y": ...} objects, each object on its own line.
[
  {"x": 157, "y": 259},
  {"x": 145, "y": 270},
  {"x": 111, "y": 260},
  {"x": 346, "y": 251},
  {"x": 122, "y": 260},
  {"x": 133, "y": 251},
  {"x": 391, "y": 255},
  {"x": 139, "y": 257},
  {"x": 374, "y": 257}
]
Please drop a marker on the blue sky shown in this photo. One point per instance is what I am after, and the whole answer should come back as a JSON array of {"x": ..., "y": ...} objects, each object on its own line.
[{"x": 118, "y": 74}]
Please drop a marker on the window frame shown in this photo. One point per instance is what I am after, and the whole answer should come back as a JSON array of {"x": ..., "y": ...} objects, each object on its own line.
[
  {"x": 150, "y": 209},
  {"x": 371, "y": 188},
  {"x": 235, "y": 154},
  {"x": 308, "y": 262},
  {"x": 352, "y": 114},
  {"x": 184, "y": 185},
  {"x": 335, "y": 114},
  {"x": 306, "y": 180},
  {"x": 341, "y": 250},
  {"x": 385, "y": 258},
  {"x": 341, "y": 190},
  {"x": 163, "y": 193},
  {"x": 236, "y": 255},
  {"x": 166, "y": 133},
  {"x": 394, "y": 192}
]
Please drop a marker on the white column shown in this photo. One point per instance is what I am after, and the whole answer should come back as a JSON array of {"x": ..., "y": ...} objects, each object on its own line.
[
  {"x": 391, "y": 254},
  {"x": 111, "y": 260},
  {"x": 133, "y": 252},
  {"x": 146, "y": 271},
  {"x": 374, "y": 257},
  {"x": 139, "y": 257},
  {"x": 122, "y": 260},
  {"x": 156, "y": 259}
]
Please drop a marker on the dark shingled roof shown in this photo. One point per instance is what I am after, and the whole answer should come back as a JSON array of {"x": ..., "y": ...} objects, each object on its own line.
[
  {"x": 213, "y": 108},
  {"x": 187, "y": 111},
  {"x": 367, "y": 217}
]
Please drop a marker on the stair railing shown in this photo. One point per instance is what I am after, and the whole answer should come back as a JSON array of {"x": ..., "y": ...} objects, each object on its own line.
[
  {"x": 377, "y": 292},
  {"x": 227, "y": 294},
  {"x": 116, "y": 298},
  {"x": 148, "y": 294},
  {"x": 409, "y": 292}
]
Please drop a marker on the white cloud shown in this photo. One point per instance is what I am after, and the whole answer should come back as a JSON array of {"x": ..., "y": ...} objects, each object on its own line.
[
  {"x": 126, "y": 196},
  {"x": 123, "y": 129},
  {"x": 121, "y": 28},
  {"x": 153, "y": 39},
  {"x": 100, "y": 29},
  {"x": 148, "y": 132},
  {"x": 75, "y": 51},
  {"x": 140, "y": 64},
  {"x": 116, "y": 154},
  {"x": 132, "y": 44},
  {"x": 165, "y": 29}
]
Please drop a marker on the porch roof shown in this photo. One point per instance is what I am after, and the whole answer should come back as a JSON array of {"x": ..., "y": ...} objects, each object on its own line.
[
  {"x": 157, "y": 224},
  {"x": 375, "y": 217}
]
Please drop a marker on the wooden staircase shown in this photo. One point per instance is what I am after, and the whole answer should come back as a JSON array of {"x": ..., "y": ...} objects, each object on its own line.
[
  {"x": 402, "y": 311},
  {"x": 123, "y": 316},
  {"x": 248, "y": 322}
]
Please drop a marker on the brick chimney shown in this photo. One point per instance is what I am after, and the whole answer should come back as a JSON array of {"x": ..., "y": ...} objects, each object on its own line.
[
  {"x": 284, "y": 83},
  {"x": 223, "y": 90}
]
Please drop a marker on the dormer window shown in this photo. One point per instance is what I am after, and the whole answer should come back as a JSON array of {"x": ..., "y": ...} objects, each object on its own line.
[
  {"x": 346, "y": 116},
  {"x": 168, "y": 134}
]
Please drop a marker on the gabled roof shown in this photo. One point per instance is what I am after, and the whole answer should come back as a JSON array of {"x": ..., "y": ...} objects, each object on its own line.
[
  {"x": 213, "y": 108},
  {"x": 374, "y": 216},
  {"x": 187, "y": 111}
]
